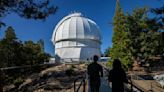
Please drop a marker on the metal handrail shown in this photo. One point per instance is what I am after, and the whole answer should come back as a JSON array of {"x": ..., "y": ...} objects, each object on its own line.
[
  {"x": 133, "y": 86},
  {"x": 24, "y": 66},
  {"x": 81, "y": 82},
  {"x": 129, "y": 82}
]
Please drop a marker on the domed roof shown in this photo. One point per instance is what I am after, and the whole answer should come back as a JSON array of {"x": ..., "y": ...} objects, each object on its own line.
[{"x": 75, "y": 26}]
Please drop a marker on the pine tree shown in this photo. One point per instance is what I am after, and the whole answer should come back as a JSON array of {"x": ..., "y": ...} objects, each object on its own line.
[
  {"x": 144, "y": 36},
  {"x": 136, "y": 37},
  {"x": 8, "y": 47},
  {"x": 119, "y": 49},
  {"x": 10, "y": 34},
  {"x": 15, "y": 53}
]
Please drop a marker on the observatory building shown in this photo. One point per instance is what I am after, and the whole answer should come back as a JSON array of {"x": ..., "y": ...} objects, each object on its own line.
[{"x": 76, "y": 39}]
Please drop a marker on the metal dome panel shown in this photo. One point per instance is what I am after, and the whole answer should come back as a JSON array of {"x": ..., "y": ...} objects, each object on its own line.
[{"x": 76, "y": 34}]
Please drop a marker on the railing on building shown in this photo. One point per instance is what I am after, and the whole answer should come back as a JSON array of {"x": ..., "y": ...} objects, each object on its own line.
[{"x": 74, "y": 60}]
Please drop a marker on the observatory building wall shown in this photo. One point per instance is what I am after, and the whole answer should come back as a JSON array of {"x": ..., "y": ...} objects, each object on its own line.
[{"x": 76, "y": 39}]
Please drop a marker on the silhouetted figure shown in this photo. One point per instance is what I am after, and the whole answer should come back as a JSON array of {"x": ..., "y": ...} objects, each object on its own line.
[
  {"x": 94, "y": 71},
  {"x": 117, "y": 76}
]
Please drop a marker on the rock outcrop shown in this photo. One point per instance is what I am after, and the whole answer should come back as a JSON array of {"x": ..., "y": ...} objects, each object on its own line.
[{"x": 53, "y": 79}]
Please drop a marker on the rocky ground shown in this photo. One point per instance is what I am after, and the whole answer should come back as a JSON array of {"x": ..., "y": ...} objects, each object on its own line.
[
  {"x": 149, "y": 85},
  {"x": 55, "y": 79}
]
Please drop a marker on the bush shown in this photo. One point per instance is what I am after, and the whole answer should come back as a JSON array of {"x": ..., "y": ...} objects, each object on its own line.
[
  {"x": 18, "y": 81},
  {"x": 73, "y": 66},
  {"x": 110, "y": 63},
  {"x": 70, "y": 71}
]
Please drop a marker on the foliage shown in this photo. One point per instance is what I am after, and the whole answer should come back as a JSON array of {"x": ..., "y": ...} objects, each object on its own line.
[
  {"x": 107, "y": 51},
  {"x": 73, "y": 66},
  {"x": 159, "y": 16},
  {"x": 34, "y": 54},
  {"x": 9, "y": 45},
  {"x": 30, "y": 9},
  {"x": 110, "y": 63},
  {"x": 15, "y": 53},
  {"x": 10, "y": 34},
  {"x": 144, "y": 35},
  {"x": 18, "y": 81},
  {"x": 120, "y": 41},
  {"x": 70, "y": 71},
  {"x": 159, "y": 21},
  {"x": 136, "y": 37}
]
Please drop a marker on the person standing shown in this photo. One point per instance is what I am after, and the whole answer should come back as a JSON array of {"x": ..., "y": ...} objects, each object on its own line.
[
  {"x": 95, "y": 71},
  {"x": 117, "y": 76}
]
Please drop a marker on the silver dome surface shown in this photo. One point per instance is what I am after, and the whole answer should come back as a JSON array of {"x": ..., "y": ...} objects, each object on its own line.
[
  {"x": 76, "y": 38},
  {"x": 75, "y": 26}
]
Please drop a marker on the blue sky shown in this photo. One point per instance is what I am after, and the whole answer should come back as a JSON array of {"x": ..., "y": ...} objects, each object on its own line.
[{"x": 100, "y": 11}]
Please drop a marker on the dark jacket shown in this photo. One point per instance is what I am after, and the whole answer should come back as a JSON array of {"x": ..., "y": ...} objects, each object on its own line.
[
  {"x": 118, "y": 77},
  {"x": 94, "y": 71}
]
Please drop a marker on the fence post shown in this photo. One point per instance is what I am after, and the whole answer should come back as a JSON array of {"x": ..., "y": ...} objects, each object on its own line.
[
  {"x": 84, "y": 85},
  {"x": 75, "y": 86},
  {"x": 151, "y": 86},
  {"x": 131, "y": 85},
  {"x": 1, "y": 80}
]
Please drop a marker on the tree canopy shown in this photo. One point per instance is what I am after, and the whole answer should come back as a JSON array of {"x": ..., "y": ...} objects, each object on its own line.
[
  {"x": 119, "y": 49},
  {"x": 29, "y": 9},
  {"x": 15, "y": 53},
  {"x": 136, "y": 37},
  {"x": 107, "y": 51}
]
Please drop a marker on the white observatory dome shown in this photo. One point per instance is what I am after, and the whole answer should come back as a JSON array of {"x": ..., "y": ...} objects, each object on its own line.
[{"x": 76, "y": 38}]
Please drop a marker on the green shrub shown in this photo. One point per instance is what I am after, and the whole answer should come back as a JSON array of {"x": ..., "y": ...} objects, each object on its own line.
[
  {"x": 70, "y": 72},
  {"x": 73, "y": 66},
  {"x": 110, "y": 63},
  {"x": 18, "y": 81}
]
